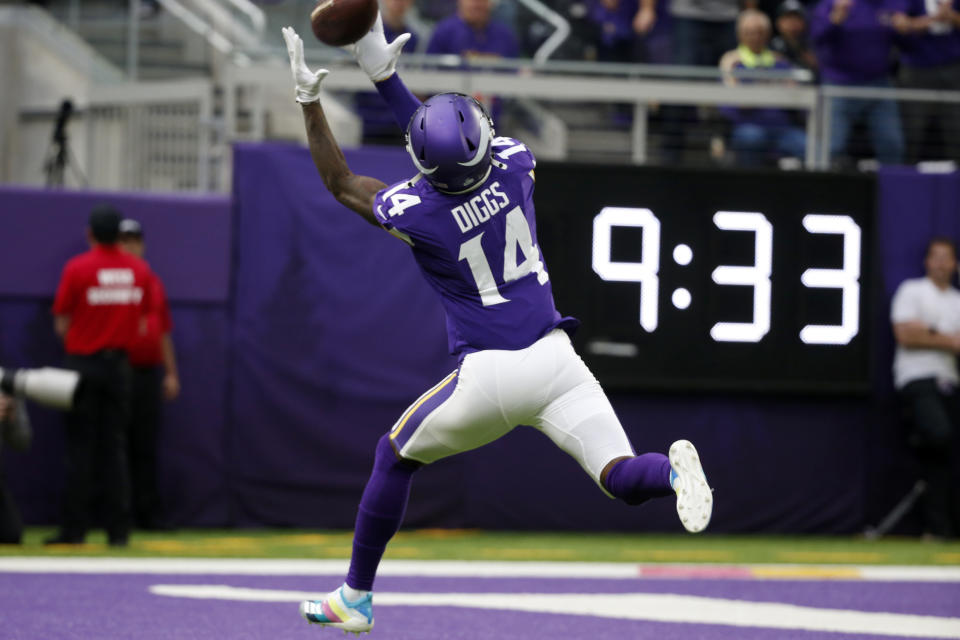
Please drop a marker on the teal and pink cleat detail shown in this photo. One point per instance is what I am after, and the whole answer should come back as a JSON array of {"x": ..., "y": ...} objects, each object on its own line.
[{"x": 336, "y": 611}]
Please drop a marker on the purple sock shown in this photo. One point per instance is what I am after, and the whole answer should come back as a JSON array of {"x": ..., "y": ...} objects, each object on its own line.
[
  {"x": 381, "y": 511},
  {"x": 636, "y": 480}
]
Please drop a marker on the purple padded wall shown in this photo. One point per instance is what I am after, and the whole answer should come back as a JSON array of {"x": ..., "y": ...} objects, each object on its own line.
[
  {"x": 189, "y": 246},
  {"x": 302, "y": 348}
]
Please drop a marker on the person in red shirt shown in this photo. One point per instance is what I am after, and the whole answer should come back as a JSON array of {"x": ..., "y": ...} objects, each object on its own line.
[
  {"x": 97, "y": 311},
  {"x": 154, "y": 367}
]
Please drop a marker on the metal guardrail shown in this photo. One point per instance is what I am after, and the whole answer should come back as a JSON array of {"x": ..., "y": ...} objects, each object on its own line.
[
  {"x": 827, "y": 92},
  {"x": 561, "y": 28},
  {"x": 152, "y": 136},
  {"x": 640, "y": 85},
  {"x": 579, "y": 88}
]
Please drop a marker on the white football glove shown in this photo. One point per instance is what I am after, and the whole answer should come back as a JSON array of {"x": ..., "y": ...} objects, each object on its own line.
[
  {"x": 308, "y": 82},
  {"x": 377, "y": 58}
]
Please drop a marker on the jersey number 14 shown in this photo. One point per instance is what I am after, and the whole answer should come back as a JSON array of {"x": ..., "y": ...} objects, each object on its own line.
[{"x": 517, "y": 234}]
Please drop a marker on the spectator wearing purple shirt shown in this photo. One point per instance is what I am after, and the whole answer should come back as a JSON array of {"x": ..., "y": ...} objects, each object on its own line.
[
  {"x": 763, "y": 131},
  {"x": 853, "y": 40},
  {"x": 930, "y": 59},
  {"x": 702, "y": 29},
  {"x": 616, "y": 38},
  {"x": 394, "y": 13},
  {"x": 377, "y": 118},
  {"x": 472, "y": 33}
]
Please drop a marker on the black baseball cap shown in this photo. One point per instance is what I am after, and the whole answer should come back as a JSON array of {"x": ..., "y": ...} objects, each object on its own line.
[
  {"x": 792, "y": 6},
  {"x": 104, "y": 223},
  {"x": 130, "y": 227}
]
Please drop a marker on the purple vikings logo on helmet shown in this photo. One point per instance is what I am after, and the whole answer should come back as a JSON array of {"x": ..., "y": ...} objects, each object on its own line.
[{"x": 449, "y": 139}]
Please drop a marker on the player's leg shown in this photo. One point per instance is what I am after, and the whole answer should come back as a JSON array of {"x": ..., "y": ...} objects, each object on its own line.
[
  {"x": 581, "y": 421},
  {"x": 381, "y": 510},
  {"x": 449, "y": 418}
]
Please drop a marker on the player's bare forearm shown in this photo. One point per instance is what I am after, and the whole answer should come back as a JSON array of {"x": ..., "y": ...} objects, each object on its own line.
[{"x": 353, "y": 191}]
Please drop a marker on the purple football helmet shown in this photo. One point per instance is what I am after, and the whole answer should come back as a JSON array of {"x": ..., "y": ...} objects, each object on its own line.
[{"x": 449, "y": 139}]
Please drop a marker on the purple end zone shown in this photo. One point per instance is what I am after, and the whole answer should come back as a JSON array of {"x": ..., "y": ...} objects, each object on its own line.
[{"x": 120, "y": 606}]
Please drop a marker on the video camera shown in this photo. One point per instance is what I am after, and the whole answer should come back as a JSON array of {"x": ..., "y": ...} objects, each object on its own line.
[{"x": 47, "y": 386}]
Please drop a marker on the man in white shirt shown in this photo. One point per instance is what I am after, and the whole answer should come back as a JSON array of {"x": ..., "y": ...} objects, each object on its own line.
[{"x": 925, "y": 313}]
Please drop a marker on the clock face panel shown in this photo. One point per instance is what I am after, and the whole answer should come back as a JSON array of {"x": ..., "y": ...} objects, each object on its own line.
[{"x": 688, "y": 279}]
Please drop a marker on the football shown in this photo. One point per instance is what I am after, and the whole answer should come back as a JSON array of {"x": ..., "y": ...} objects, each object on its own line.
[{"x": 342, "y": 22}]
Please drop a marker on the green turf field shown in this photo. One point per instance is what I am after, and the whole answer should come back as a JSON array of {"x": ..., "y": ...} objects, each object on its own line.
[{"x": 444, "y": 544}]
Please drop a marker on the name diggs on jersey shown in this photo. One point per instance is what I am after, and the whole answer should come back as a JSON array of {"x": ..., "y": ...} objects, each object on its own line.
[{"x": 480, "y": 207}]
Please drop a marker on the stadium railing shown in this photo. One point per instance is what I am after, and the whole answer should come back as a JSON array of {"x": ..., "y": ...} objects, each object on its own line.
[{"x": 176, "y": 135}]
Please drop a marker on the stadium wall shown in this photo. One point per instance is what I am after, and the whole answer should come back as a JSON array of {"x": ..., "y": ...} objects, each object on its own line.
[{"x": 303, "y": 334}]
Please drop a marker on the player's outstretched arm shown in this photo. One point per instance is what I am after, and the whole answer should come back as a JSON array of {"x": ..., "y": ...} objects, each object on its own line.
[
  {"x": 353, "y": 191},
  {"x": 378, "y": 59}
]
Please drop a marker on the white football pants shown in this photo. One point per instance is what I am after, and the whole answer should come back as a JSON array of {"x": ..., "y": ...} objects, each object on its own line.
[{"x": 546, "y": 386}]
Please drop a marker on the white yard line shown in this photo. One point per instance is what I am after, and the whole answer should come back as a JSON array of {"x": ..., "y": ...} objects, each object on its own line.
[
  {"x": 627, "y": 606},
  {"x": 472, "y": 569}
]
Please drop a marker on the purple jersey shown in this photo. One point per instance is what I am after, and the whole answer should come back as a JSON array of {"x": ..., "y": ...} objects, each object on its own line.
[
  {"x": 479, "y": 251},
  {"x": 938, "y": 45}
]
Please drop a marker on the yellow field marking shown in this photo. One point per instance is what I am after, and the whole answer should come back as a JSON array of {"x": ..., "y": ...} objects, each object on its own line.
[
  {"x": 404, "y": 552},
  {"x": 811, "y": 573},
  {"x": 70, "y": 549},
  {"x": 307, "y": 538},
  {"x": 163, "y": 545},
  {"x": 438, "y": 533},
  {"x": 703, "y": 555},
  {"x": 526, "y": 554},
  {"x": 851, "y": 557},
  {"x": 231, "y": 543},
  {"x": 946, "y": 558},
  {"x": 333, "y": 551}
]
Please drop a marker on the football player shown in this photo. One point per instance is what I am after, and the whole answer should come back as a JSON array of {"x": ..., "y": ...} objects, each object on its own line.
[{"x": 468, "y": 216}]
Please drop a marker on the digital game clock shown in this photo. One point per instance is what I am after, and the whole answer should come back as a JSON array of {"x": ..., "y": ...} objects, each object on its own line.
[{"x": 695, "y": 279}]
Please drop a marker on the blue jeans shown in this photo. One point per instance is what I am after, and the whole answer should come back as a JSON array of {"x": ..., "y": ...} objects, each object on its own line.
[
  {"x": 753, "y": 142},
  {"x": 882, "y": 118}
]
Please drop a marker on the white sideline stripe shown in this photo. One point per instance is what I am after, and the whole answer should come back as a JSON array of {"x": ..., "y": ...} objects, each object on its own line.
[
  {"x": 627, "y": 606},
  {"x": 442, "y": 568}
]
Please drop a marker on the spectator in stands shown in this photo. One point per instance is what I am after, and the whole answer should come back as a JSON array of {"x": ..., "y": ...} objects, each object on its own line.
[
  {"x": 792, "y": 40},
  {"x": 154, "y": 379},
  {"x": 853, "y": 41},
  {"x": 616, "y": 39},
  {"x": 703, "y": 30},
  {"x": 759, "y": 132},
  {"x": 100, "y": 301},
  {"x": 926, "y": 323},
  {"x": 395, "y": 22},
  {"x": 930, "y": 59},
  {"x": 654, "y": 24},
  {"x": 14, "y": 431},
  {"x": 472, "y": 33},
  {"x": 378, "y": 123}
]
